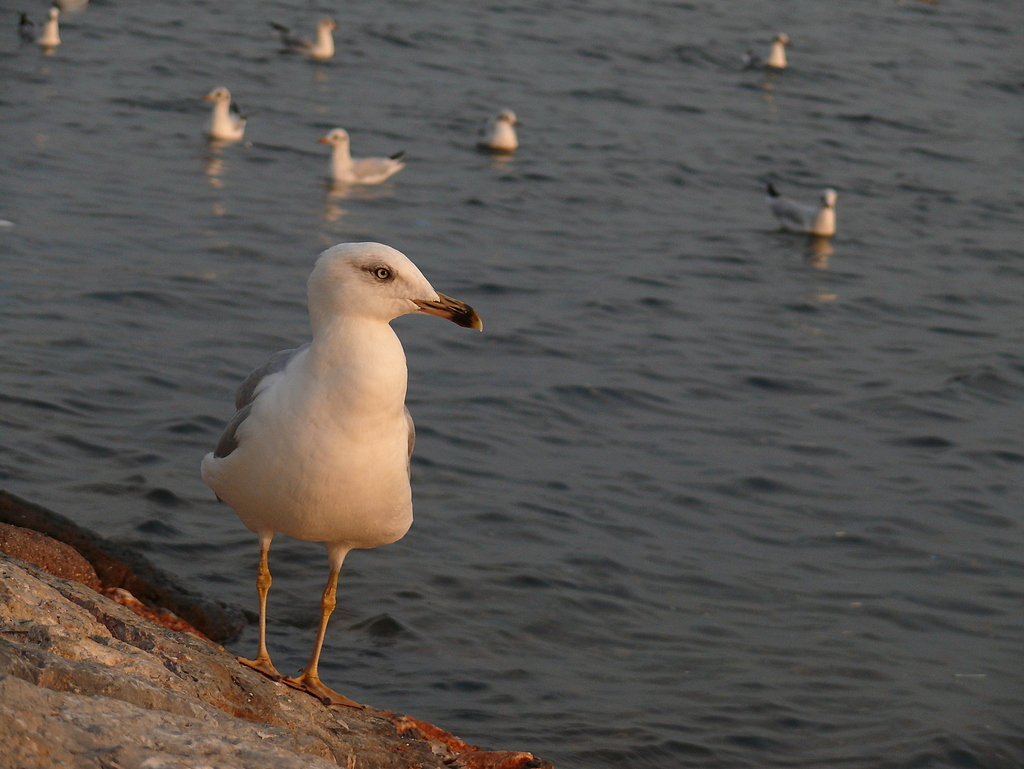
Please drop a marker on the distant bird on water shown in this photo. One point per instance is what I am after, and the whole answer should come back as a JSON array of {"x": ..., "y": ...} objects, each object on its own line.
[
  {"x": 799, "y": 217},
  {"x": 499, "y": 135},
  {"x": 226, "y": 124},
  {"x": 348, "y": 170},
  {"x": 320, "y": 49},
  {"x": 319, "y": 449},
  {"x": 776, "y": 56},
  {"x": 49, "y": 37},
  {"x": 26, "y": 28}
]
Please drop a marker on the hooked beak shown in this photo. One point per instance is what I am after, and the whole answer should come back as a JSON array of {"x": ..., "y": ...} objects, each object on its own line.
[
  {"x": 459, "y": 313},
  {"x": 324, "y": 140},
  {"x": 207, "y": 98}
]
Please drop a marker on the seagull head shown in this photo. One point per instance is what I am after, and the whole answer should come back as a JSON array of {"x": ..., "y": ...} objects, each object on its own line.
[
  {"x": 53, "y": 13},
  {"x": 828, "y": 198},
  {"x": 326, "y": 23},
  {"x": 783, "y": 38},
  {"x": 218, "y": 94},
  {"x": 335, "y": 138},
  {"x": 376, "y": 282},
  {"x": 507, "y": 116}
]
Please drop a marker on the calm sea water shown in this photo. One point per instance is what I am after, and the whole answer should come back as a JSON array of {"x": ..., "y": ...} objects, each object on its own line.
[{"x": 694, "y": 498}]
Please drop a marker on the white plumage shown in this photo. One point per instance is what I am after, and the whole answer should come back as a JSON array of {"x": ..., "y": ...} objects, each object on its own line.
[
  {"x": 226, "y": 124},
  {"x": 499, "y": 135},
  {"x": 799, "y": 217},
  {"x": 320, "y": 49},
  {"x": 319, "y": 447},
  {"x": 348, "y": 170},
  {"x": 49, "y": 38}
]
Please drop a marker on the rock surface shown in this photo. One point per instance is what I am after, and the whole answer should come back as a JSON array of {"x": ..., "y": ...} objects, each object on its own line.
[
  {"x": 86, "y": 683},
  {"x": 48, "y": 554},
  {"x": 120, "y": 567}
]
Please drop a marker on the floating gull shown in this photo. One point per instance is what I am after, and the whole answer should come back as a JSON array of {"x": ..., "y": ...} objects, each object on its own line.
[
  {"x": 227, "y": 124},
  {"x": 798, "y": 217},
  {"x": 49, "y": 38},
  {"x": 26, "y": 28},
  {"x": 499, "y": 134},
  {"x": 776, "y": 56},
  {"x": 321, "y": 50},
  {"x": 346, "y": 170},
  {"x": 319, "y": 449}
]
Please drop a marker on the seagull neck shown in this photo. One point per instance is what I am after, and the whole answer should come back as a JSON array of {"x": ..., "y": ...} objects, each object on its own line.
[
  {"x": 366, "y": 353},
  {"x": 222, "y": 111},
  {"x": 825, "y": 222},
  {"x": 341, "y": 160},
  {"x": 324, "y": 42}
]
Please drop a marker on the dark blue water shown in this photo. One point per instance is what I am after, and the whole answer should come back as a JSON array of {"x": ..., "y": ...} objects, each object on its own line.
[{"x": 697, "y": 496}]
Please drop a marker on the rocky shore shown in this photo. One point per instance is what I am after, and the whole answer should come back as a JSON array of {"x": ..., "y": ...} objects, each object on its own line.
[{"x": 88, "y": 682}]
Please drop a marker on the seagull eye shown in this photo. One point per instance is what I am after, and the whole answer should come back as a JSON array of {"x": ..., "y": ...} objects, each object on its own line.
[{"x": 382, "y": 273}]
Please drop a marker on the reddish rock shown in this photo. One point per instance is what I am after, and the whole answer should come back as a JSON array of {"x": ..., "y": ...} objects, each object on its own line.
[
  {"x": 119, "y": 566},
  {"x": 163, "y": 617},
  {"x": 500, "y": 759},
  {"x": 431, "y": 733},
  {"x": 48, "y": 554},
  {"x": 459, "y": 754}
]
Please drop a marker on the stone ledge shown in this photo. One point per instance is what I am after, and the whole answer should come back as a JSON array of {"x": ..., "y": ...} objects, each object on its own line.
[{"x": 85, "y": 682}]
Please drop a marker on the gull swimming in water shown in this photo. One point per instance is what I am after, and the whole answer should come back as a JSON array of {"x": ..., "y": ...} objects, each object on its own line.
[
  {"x": 319, "y": 449},
  {"x": 499, "y": 134},
  {"x": 49, "y": 38},
  {"x": 227, "y": 124},
  {"x": 321, "y": 49},
  {"x": 26, "y": 28},
  {"x": 348, "y": 170},
  {"x": 798, "y": 217},
  {"x": 776, "y": 56}
]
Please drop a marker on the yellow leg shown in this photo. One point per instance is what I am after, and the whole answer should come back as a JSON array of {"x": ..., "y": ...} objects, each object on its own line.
[
  {"x": 310, "y": 681},
  {"x": 262, "y": 662}
]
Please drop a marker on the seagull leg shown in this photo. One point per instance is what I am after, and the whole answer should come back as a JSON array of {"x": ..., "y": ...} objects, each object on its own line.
[
  {"x": 262, "y": 662},
  {"x": 310, "y": 681}
]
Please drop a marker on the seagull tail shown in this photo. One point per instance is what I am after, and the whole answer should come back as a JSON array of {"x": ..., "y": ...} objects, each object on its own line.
[
  {"x": 772, "y": 192},
  {"x": 398, "y": 155}
]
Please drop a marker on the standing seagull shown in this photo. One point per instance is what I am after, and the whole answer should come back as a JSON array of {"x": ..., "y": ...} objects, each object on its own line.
[
  {"x": 319, "y": 449},
  {"x": 227, "y": 124},
  {"x": 798, "y": 217},
  {"x": 321, "y": 50},
  {"x": 348, "y": 170},
  {"x": 499, "y": 134},
  {"x": 49, "y": 38}
]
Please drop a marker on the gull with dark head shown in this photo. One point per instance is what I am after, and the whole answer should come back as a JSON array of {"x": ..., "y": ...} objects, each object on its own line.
[
  {"x": 227, "y": 123},
  {"x": 499, "y": 134},
  {"x": 320, "y": 49},
  {"x": 26, "y": 28},
  {"x": 319, "y": 447},
  {"x": 348, "y": 170},
  {"x": 799, "y": 217}
]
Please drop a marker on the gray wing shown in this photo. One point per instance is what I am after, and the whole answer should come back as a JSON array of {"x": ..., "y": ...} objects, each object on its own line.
[
  {"x": 371, "y": 168},
  {"x": 290, "y": 41},
  {"x": 247, "y": 393},
  {"x": 792, "y": 215},
  {"x": 275, "y": 363}
]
